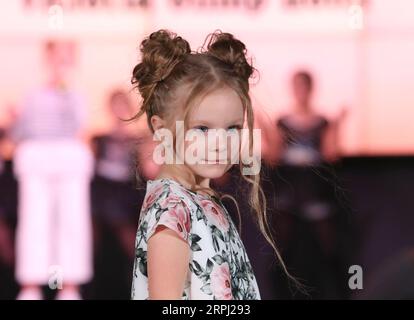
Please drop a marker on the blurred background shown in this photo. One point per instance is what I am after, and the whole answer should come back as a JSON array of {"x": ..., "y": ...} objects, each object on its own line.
[{"x": 334, "y": 98}]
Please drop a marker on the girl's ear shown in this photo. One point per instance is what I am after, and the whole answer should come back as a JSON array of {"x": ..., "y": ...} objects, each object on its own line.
[{"x": 157, "y": 122}]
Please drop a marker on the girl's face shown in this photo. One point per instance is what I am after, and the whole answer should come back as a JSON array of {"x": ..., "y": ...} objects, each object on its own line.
[{"x": 214, "y": 125}]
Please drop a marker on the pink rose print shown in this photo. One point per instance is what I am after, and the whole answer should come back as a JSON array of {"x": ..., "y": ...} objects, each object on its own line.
[
  {"x": 152, "y": 196},
  {"x": 220, "y": 282},
  {"x": 177, "y": 217},
  {"x": 215, "y": 214},
  {"x": 171, "y": 200}
]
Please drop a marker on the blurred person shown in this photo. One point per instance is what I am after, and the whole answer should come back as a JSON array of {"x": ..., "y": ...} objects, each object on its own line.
[
  {"x": 308, "y": 142},
  {"x": 2, "y": 135},
  {"x": 6, "y": 241},
  {"x": 308, "y": 138},
  {"x": 53, "y": 166},
  {"x": 114, "y": 195},
  {"x": 123, "y": 163}
]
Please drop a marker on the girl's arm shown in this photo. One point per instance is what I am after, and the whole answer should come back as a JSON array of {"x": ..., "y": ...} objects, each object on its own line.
[{"x": 168, "y": 260}]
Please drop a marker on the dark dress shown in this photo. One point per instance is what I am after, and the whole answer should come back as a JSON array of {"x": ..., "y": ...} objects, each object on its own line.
[
  {"x": 302, "y": 144},
  {"x": 114, "y": 195},
  {"x": 305, "y": 209}
]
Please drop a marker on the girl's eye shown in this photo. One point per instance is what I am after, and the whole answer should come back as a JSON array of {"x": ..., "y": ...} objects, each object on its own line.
[
  {"x": 234, "y": 128},
  {"x": 201, "y": 128}
]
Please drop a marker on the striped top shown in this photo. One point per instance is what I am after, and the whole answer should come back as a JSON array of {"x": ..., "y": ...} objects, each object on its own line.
[{"x": 50, "y": 113}]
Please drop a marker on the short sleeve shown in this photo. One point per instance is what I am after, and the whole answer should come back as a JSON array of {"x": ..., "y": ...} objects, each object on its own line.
[{"x": 171, "y": 212}]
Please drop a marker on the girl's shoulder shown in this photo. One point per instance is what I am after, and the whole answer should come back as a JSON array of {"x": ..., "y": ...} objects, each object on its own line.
[{"x": 168, "y": 203}]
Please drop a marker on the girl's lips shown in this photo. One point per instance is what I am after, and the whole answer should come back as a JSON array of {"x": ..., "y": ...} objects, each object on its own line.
[{"x": 222, "y": 161}]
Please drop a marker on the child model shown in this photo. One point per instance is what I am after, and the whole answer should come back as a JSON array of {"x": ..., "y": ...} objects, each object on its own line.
[{"x": 187, "y": 246}]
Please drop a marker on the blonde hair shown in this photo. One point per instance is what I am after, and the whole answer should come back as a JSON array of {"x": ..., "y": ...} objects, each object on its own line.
[{"x": 168, "y": 65}]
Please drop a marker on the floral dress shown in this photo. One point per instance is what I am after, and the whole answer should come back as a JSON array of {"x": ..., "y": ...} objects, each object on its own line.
[{"x": 219, "y": 267}]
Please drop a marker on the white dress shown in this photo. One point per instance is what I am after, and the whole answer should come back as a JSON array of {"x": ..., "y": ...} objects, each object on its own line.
[{"x": 219, "y": 267}]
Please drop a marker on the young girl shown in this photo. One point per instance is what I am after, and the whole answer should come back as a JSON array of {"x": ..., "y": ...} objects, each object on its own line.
[{"x": 187, "y": 246}]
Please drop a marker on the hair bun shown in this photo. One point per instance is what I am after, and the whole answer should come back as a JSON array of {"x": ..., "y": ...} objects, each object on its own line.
[
  {"x": 230, "y": 50},
  {"x": 161, "y": 51}
]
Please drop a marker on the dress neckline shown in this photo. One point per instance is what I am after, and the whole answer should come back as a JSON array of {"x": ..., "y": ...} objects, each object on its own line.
[{"x": 182, "y": 186}]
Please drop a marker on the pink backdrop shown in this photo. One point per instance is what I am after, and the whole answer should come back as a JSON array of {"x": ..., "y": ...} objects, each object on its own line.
[{"x": 361, "y": 56}]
